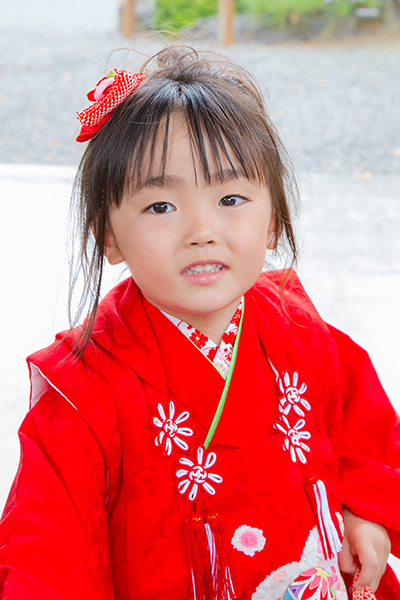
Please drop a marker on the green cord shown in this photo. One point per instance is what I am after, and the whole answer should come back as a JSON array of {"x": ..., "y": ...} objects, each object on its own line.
[{"x": 221, "y": 403}]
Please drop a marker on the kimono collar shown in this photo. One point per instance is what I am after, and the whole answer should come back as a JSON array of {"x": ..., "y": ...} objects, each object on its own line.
[{"x": 220, "y": 355}]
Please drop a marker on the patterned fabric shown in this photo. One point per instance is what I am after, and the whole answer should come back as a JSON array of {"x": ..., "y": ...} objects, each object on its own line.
[
  {"x": 220, "y": 355},
  {"x": 314, "y": 577},
  {"x": 107, "y": 95},
  {"x": 365, "y": 593},
  {"x": 313, "y": 584}
]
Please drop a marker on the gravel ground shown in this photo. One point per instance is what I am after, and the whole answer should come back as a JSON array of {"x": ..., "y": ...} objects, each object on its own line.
[{"x": 337, "y": 106}]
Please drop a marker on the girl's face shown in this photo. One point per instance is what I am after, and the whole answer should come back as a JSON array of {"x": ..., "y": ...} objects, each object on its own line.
[{"x": 193, "y": 248}]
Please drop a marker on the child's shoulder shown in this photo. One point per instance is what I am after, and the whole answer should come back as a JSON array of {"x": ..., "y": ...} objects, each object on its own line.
[
  {"x": 284, "y": 288},
  {"x": 93, "y": 381},
  {"x": 278, "y": 278},
  {"x": 111, "y": 313},
  {"x": 63, "y": 361}
]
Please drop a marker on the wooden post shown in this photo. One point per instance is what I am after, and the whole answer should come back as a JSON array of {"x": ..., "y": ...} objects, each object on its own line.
[
  {"x": 226, "y": 9},
  {"x": 128, "y": 18},
  {"x": 391, "y": 14}
]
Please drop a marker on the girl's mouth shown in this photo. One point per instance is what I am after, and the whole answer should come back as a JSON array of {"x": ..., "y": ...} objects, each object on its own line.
[
  {"x": 205, "y": 273},
  {"x": 209, "y": 268}
]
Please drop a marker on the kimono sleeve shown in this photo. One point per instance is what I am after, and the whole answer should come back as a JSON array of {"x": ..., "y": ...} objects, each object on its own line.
[
  {"x": 53, "y": 533},
  {"x": 369, "y": 468}
]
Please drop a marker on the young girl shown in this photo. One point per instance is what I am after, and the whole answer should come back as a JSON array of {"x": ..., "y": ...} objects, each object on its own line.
[{"x": 204, "y": 434}]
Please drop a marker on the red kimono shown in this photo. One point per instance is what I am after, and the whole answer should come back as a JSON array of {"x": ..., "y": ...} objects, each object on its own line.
[{"x": 110, "y": 459}]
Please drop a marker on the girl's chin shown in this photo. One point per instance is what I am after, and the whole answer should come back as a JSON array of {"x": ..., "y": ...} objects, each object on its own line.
[{"x": 206, "y": 311}]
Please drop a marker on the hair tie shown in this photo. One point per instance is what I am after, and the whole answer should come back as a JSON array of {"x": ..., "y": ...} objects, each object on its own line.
[{"x": 107, "y": 95}]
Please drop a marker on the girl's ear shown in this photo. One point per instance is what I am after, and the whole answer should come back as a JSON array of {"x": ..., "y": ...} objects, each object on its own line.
[
  {"x": 271, "y": 237},
  {"x": 111, "y": 248}
]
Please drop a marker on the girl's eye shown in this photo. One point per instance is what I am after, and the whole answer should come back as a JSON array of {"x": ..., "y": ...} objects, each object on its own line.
[
  {"x": 232, "y": 201},
  {"x": 159, "y": 208}
]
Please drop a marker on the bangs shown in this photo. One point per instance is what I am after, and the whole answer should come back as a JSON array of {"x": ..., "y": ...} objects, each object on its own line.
[
  {"x": 211, "y": 148},
  {"x": 218, "y": 127}
]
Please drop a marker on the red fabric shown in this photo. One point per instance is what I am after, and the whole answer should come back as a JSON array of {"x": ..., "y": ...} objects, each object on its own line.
[
  {"x": 371, "y": 442},
  {"x": 50, "y": 540},
  {"x": 94, "y": 512}
]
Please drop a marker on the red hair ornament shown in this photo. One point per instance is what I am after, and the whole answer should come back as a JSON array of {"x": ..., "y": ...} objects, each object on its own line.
[{"x": 107, "y": 95}]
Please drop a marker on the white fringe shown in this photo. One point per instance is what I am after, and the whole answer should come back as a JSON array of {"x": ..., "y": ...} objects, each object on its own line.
[
  {"x": 211, "y": 547},
  {"x": 332, "y": 544},
  {"x": 213, "y": 560}
]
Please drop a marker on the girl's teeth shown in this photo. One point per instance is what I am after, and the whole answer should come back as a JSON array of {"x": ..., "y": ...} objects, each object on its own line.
[{"x": 210, "y": 268}]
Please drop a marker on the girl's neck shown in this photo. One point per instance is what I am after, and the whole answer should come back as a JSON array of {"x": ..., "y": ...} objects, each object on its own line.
[{"x": 213, "y": 325}]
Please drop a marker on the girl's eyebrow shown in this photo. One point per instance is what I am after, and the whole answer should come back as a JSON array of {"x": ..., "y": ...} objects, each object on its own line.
[{"x": 171, "y": 181}]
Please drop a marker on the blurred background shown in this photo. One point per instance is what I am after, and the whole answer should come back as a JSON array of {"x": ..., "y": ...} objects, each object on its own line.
[
  {"x": 330, "y": 72},
  {"x": 329, "y": 69}
]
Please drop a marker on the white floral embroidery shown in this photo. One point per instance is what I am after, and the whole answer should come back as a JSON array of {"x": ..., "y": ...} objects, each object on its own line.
[
  {"x": 248, "y": 540},
  {"x": 293, "y": 437},
  {"x": 292, "y": 395},
  {"x": 170, "y": 430},
  {"x": 197, "y": 475}
]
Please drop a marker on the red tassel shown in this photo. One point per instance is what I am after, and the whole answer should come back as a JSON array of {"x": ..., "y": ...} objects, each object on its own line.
[
  {"x": 199, "y": 558},
  {"x": 209, "y": 558},
  {"x": 317, "y": 495},
  {"x": 221, "y": 560}
]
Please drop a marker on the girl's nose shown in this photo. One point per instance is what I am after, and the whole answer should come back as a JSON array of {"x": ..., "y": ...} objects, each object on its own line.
[
  {"x": 200, "y": 243},
  {"x": 201, "y": 237},
  {"x": 200, "y": 231}
]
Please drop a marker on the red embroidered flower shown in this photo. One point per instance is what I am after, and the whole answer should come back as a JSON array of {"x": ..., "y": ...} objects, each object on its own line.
[
  {"x": 211, "y": 352},
  {"x": 198, "y": 338},
  {"x": 107, "y": 95},
  {"x": 237, "y": 315},
  {"x": 229, "y": 337},
  {"x": 228, "y": 354}
]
